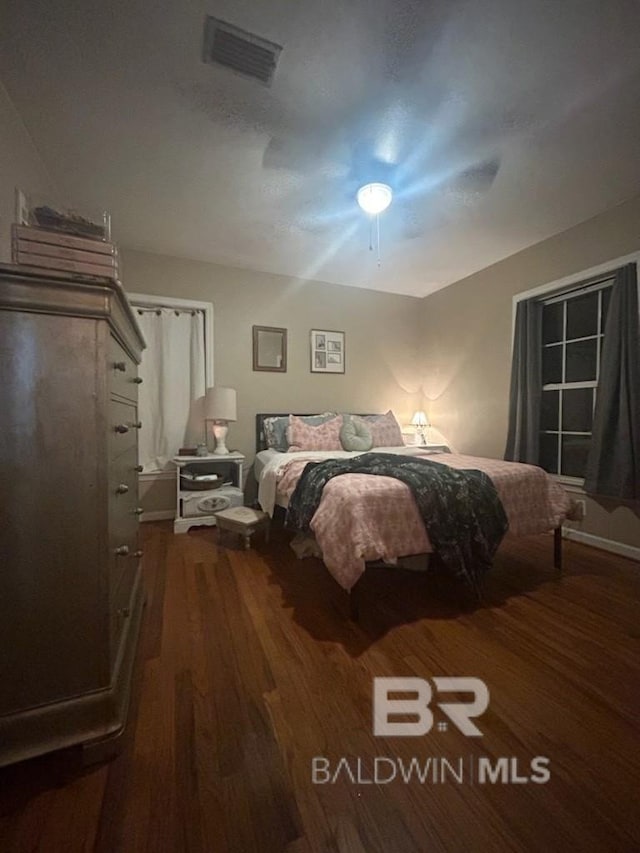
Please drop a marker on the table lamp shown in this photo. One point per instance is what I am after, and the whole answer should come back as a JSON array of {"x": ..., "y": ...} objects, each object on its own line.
[
  {"x": 220, "y": 407},
  {"x": 420, "y": 422}
]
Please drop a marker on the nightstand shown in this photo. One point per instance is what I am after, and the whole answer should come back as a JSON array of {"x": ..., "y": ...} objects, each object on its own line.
[
  {"x": 198, "y": 506},
  {"x": 436, "y": 448}
]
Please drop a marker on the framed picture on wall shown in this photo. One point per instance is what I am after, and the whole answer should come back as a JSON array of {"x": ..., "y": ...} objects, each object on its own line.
[{"x": 327, "y": 351}]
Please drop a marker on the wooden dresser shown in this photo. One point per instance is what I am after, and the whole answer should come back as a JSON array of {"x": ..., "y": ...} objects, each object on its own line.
[{"x": 70, "y": 586}]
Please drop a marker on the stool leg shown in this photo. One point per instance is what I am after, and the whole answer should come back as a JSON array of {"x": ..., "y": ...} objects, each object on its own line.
[
  {"x": 267, "y": 532},
  {"x": 247, "y": 541}
]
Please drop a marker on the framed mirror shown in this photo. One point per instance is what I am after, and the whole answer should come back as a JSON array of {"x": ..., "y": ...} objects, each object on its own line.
[{"x": 270, "y": 349}]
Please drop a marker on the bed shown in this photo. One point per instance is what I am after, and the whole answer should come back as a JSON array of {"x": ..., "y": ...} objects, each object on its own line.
[{"x": 364, "y": 518}]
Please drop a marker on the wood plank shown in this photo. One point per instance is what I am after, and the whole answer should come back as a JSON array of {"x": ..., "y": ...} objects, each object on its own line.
[{"x": 249, "y": 668}]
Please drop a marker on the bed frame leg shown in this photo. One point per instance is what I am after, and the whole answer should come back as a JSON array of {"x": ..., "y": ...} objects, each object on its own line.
[
  {"x": 354, "y": 603},
  {"x": 557, "y": 549}
]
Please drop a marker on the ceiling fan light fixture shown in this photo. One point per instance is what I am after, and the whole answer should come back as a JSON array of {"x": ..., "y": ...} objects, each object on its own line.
[{"x": 374, "y": 198}]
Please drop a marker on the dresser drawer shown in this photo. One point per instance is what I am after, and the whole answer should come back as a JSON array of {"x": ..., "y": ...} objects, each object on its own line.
[
  {"x": 123, "y": 516},
  {"x": 123, "y": 372},
  {"x": 123, "y": 479},
  {"x": 123, "y": 545},
  {"x": 122, "y": 564},
  {"x": 123, "y": 428},
  {"x": 122, "y": 607}
]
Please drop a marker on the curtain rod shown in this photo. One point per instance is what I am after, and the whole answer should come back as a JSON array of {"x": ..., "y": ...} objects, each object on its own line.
[
  {"x": 158, "y": 309},
  {"x": 579, "y": 288}
]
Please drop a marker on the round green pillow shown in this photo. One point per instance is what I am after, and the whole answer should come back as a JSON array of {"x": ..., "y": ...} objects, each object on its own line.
[{"x": 354, "y": 434}]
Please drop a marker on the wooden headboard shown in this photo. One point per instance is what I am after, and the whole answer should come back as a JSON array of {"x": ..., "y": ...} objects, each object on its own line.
[{"x": 261, "y": 442}]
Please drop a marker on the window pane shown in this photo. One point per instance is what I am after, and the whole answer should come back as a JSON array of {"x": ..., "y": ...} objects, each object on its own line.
[
  {"x": 581, "y": 361},
  {"x": 551, "y": 365},
  {"x": 577, "y": 409},
  {"x": 549, "y": 415},
  {"x": 574, "y": 454},
  {"x": 549, "y": 452},
  {"x": 552, "y": 322},
  {"x": 582, "y": 316},
  {"x": 606, "y": 299}
]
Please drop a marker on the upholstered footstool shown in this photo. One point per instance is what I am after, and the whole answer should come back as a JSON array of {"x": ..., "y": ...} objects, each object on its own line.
[{"x": 245, "y": 521}]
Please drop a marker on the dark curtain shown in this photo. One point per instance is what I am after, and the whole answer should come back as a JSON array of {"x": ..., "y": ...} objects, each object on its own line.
[
  {"x": 613, "y": 465},
  {"x": 523, "y": 441}
]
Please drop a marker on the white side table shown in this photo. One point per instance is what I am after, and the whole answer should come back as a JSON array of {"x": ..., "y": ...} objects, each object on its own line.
[{"x": 228, "y": 466}]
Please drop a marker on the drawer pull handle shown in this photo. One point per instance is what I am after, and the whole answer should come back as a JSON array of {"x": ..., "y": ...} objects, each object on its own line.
[
  {"x": 137, "y": 425},
  {"x": 138, "y": 510},
  {"x": 124, "y": 612},
  {"x": 138, "y": 554},
  {"x": 139, "y": 469},
  {"x": 122, "y": 489},
  {"x": 122, "y": 551},
  {"x": 137, "y": 380},
  {"x": 122, "y": 428},
  {"x": 120, "y": 365}
]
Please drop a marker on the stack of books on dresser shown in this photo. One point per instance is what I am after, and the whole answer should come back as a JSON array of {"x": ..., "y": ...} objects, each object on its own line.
[{"x": 53, "y": 250}]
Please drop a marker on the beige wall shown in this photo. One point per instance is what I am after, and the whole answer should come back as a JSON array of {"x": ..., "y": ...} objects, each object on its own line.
[
  {"x": 382, "y": 340},
  {"x": 454, "y": 347},
  {"x": 467, "y": 343},
  {"x": 157, "y": 495},
  {"x": 21, "y": 166}
]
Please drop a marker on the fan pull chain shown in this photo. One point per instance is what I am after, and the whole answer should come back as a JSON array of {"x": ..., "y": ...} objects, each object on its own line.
[{"x": 377, "y": 221}]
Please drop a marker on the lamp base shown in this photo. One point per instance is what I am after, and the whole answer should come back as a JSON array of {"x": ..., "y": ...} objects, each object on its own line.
[
  {"x": 421, "y": 435},
  {"x": 220, "y": 434}
]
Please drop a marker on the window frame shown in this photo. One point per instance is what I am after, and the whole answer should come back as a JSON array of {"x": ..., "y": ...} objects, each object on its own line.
[
  {"x": 152, "y": 300},
  {"x": 558, "y": 290},
  {"x": 597, "y": 285}
]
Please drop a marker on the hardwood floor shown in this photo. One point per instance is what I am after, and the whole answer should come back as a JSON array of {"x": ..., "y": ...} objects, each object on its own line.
[{"x": 249, "y": 668}]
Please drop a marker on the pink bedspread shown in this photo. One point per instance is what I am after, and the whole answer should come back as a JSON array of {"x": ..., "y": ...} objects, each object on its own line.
[{"x": 363, "y": 517}]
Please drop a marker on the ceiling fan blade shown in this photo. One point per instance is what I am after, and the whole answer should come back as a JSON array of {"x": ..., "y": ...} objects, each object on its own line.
[
  {"x": 477, "y": 178},
  {"x": 417, "y": 222},
  {"x": 318, "y": 205},
  {"x": 287, "y": 154},
  {"x": 306, "y": 155}
]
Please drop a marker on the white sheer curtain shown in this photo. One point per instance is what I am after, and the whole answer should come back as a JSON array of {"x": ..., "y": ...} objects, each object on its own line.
[{"x": 173, "y": 384}]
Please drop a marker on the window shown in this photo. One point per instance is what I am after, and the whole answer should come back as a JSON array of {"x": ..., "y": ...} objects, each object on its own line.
[
  {"x": 573, "y": 326},
  {"x": 176, "y": 369},
  {"x": 574, "y": 401}
]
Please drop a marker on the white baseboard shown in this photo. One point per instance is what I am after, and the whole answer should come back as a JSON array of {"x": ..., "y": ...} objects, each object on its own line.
[
  {"x": 605, "y": 544},
  {"x": 159, "y": 515},
  {"x": 151, "y": 476}
]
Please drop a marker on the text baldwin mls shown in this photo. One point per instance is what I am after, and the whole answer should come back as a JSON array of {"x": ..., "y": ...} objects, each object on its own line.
[
  {"x": 433, "y": 770},
  {"x": 393, "y": 697}
]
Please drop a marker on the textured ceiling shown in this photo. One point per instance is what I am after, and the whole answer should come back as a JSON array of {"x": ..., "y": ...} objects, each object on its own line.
[{"x": 196, "y": 161}]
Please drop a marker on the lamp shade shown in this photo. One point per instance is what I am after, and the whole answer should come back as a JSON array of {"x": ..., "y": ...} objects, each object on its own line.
[
  {"x": 220, "y": 404},
  {"x": 374, "y": 198},
  {"x": 419, "y": 419}
]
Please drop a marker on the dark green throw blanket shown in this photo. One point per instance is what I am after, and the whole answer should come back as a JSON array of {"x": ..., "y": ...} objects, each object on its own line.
[{"x": 461, "y": 510}]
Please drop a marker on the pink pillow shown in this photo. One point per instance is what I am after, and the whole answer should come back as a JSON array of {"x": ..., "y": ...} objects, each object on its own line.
[
  {"x": 385, "y": 430},
  {"x": 303, "y": 436}
]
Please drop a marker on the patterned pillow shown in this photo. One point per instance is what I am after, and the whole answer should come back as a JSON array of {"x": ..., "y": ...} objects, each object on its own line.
[
  {"x": 275, "y": 429},
  {"x": 305, "y": 436},
  {"x": 355, "y": 434},
  {"x": 385, "y": 430}
]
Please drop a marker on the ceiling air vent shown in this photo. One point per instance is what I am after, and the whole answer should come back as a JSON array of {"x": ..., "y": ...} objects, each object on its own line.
[{"x": 239, "y": 50}]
